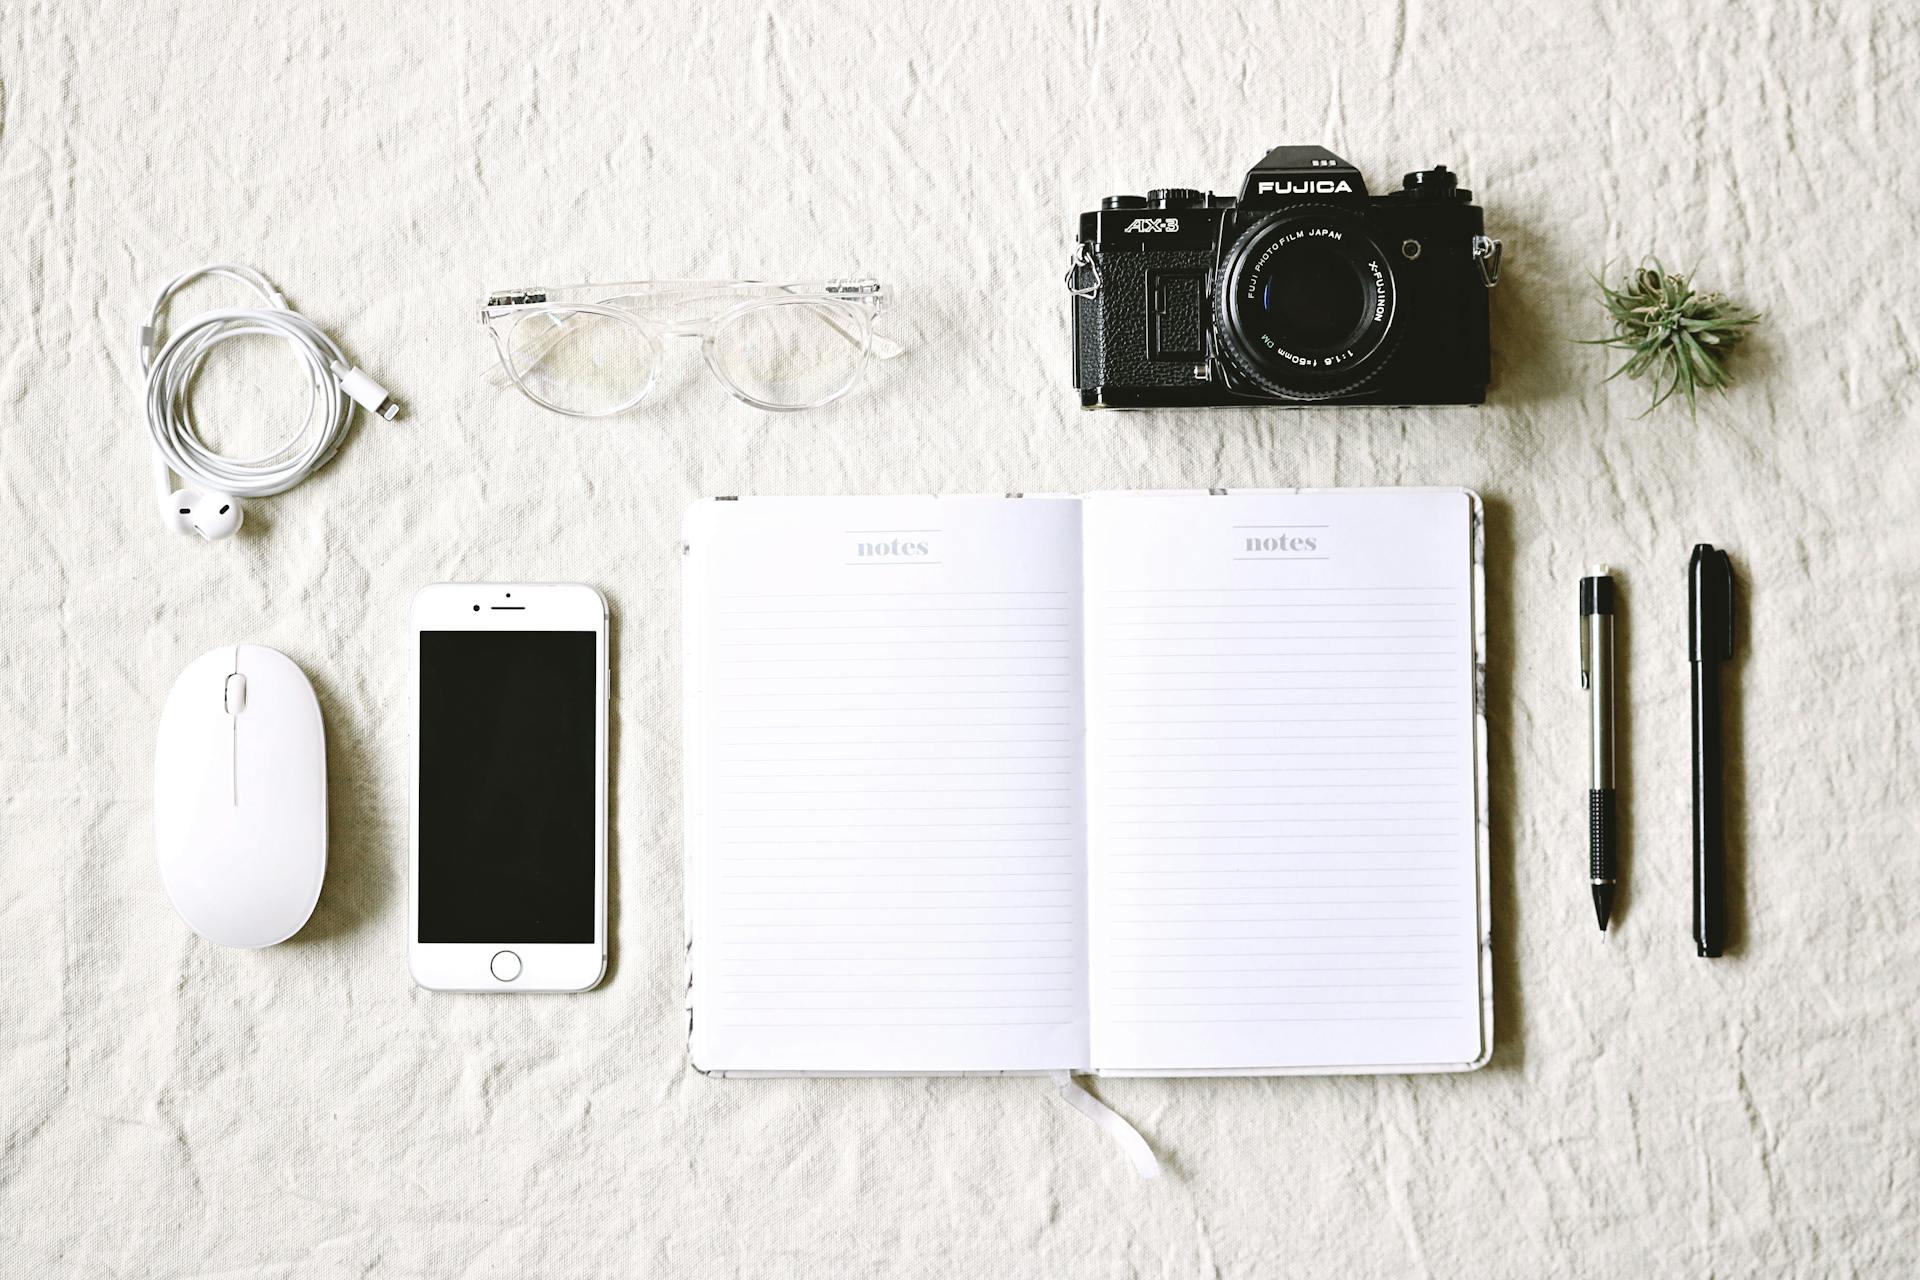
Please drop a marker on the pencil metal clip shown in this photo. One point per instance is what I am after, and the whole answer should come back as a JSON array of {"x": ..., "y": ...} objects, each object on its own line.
[{"x": 1586, "y": 655}]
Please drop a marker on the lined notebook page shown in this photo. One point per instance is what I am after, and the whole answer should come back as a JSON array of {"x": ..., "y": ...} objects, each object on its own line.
[
  {"x": 886, "y": 840},
  {"x": 1282, "y": 781}
]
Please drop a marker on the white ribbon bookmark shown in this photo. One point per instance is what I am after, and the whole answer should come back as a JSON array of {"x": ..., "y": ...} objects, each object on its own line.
[{"x": 1107, "y": 1118}]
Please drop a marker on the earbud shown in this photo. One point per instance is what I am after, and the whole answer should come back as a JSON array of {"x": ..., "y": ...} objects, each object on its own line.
[{"x": 211, "y": 515}]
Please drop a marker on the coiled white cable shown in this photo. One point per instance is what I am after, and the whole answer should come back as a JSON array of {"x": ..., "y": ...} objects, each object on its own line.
[{"x": 333, "y": 389}]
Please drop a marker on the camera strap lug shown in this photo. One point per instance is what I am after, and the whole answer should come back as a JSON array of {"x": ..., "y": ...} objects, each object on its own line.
[
  {"x": 1082, "y": 258},
  {"x": 1486, "y": 252}
]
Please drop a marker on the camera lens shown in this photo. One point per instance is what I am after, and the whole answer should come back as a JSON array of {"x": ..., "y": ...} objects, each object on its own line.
[
  {"x": 1318, "y": 303},
  {"x": 1305, "y": 303}
]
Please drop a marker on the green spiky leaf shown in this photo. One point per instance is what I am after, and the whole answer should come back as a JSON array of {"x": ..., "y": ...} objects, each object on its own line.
[{"x": 1675, "y": 338}]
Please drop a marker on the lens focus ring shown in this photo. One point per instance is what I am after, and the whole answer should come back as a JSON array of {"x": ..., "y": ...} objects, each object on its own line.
[{"x": 1304, "y": 304}]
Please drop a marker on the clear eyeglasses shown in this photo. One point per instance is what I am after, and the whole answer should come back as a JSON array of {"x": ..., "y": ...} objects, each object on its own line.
[{"x": 594, "y": 350}]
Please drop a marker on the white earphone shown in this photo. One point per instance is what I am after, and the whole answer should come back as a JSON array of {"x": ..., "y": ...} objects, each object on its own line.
[
  {"x": 211, "y": 515},
  {"x": 210, "y": 504}
]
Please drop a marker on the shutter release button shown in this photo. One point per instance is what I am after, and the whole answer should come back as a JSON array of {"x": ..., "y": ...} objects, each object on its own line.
[{"x": 505, "y": 966}]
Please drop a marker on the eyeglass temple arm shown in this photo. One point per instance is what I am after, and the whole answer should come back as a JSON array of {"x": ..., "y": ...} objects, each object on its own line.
[
  {"x": 879, "y": 345},
  {"x": 498, "y": 374}
]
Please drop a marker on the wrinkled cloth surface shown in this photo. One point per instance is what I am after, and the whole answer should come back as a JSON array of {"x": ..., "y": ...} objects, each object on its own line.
[{"x": 172, "y": 1108}]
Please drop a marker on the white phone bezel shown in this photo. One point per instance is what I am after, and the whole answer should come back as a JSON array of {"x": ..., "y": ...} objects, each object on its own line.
[{"x": 545, "y": 966}]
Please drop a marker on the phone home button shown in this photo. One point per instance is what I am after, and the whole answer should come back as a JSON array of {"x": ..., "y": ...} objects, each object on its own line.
[{"x": 505, "y": 966}]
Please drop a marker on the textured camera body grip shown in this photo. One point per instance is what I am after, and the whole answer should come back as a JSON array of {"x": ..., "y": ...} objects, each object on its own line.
[
  {"x": 1111, "y": 328},
  {"x": 1601, "y": 819}
]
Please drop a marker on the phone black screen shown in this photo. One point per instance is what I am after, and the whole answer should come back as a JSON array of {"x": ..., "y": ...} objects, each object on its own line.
[{"x": 507, "y": 794}]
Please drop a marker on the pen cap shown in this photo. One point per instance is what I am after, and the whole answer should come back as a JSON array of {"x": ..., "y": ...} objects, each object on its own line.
[
  {"x": 1596, "y": 595},
  {"x": 1709, "y": 605}
]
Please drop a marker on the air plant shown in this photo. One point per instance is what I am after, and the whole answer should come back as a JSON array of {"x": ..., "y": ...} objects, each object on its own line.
[{"x": 1676, "y": 338}]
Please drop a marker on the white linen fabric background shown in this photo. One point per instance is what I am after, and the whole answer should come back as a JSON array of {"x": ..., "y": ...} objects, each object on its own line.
[{"x": 169, "y": 1107}]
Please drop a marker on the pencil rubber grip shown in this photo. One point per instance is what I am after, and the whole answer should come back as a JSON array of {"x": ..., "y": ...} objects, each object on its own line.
[{"x": 1600, "y": 835}]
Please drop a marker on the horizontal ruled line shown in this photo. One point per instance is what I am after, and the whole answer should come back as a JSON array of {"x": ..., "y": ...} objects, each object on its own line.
[
  {"x": 1292, "y": 853},
  {"x": 944, "y": 675},
  {"x": 736, "y": 629},
  {"x": 1213, "y": 623},
  {"x": 885, "y": 710},
  {"x": 1368, "y": 635},
  {"x": 904, "y": 742},
  {"x": 916, "y": 840},
  {"x": 1279, "y": 1004},
  {"x": 963, "y": 1007},
  {"x": 1293, "y": 968},
  {"x": 1239, "y": 606},
  {"x": 1285, "y": 653},
  {"x": 1235, "y": 590},
  {"x": 942, "y": 891},
  {"x": 1287, "y": 670},
  {"x": 1289, "y": 755},
  {"x": 816, "y": 726},
  {"x": 760, "y": 928},
  {"x": 1241, "y": 822},
  {"x": 1210, "y": 918},
  {"x": 1271, "y": 804},
  {"x": 1267, "y": 719},
  {"x": 813, "y": 595},
  {"x": 909, "y": 822},
  {"x": 920, "y": 608},
  {"x": 1448, "y": 878},
  {"x": 896, "y": 858},
  {"x": 865, "y": 768},
  {"x": 863, "y": 967},
  {"x": 759, "y": 877},
  {"x": 1297, "y": 951},
  {"x": 1183, "y": 704},
  {"x": 1270, "y": 936},
  {"x": 916, "y": 989},
  {"x": 1284, "y": 786},
  {"x": 864, "y": 659},
  {"x": 1281, "y": 737},
  {"x": 863, "y": 971},
  {"x": 812, "y": 1023},
  {"x": 1317, "y": 687},
  {"x": 843, "y": 644},
  {"x": 892, "y": 759},
  {"x": 1437, "y": 1017},
  {"x": 911, "y": 791},
  {"x": 1180, "y": 837}
]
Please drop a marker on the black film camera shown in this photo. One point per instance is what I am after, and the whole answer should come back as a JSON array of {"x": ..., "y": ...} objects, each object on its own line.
[{"x": 1306, "y": 290}]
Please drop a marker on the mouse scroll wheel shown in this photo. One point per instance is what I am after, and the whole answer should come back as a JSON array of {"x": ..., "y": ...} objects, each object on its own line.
[{"x": 236, "y": 694}]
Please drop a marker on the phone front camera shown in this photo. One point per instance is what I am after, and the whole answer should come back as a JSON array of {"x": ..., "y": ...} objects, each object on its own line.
[{"x": 476, "y": 608}]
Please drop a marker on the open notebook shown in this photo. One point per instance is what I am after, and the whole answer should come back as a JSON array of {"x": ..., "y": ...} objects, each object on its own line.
[{"x": 1159, "y": 783}]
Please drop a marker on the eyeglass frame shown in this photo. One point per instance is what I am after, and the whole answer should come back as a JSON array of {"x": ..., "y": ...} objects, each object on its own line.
[{"x": 860, "y": 300}]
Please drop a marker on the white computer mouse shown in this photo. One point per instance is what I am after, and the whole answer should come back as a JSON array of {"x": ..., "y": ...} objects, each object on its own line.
[{"x": 240, "y": 796}]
